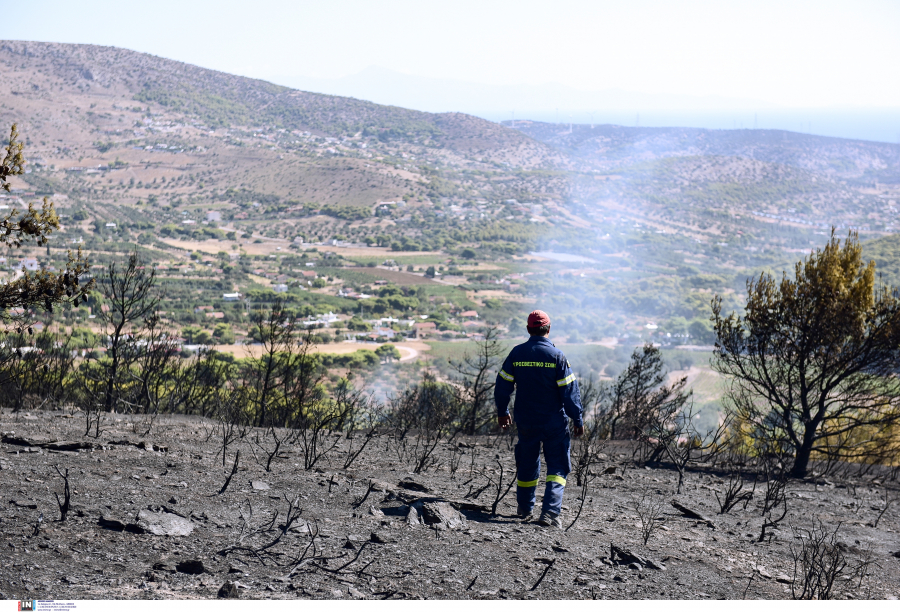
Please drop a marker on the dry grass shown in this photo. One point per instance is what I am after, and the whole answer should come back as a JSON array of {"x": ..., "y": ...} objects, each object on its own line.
[{"x": 393, "y": 276}]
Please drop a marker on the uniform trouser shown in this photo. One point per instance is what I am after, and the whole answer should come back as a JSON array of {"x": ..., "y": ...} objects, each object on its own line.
[{"x": 528, "y": 467}]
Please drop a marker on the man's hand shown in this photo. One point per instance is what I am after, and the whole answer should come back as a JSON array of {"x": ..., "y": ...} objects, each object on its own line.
[
  {"x": 578, "y": 430},
  {"x": 504, "y": 421}
]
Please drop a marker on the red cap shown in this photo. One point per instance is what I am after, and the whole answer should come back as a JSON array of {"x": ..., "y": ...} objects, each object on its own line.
[{"x": 538, "y": 318}]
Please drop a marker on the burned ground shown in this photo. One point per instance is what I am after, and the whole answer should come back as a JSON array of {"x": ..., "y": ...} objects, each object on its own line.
[{"x": 350, "y": 533}]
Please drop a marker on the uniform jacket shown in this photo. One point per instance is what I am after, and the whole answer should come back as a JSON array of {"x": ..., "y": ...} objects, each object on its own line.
[{"x": 546, "y": 389}]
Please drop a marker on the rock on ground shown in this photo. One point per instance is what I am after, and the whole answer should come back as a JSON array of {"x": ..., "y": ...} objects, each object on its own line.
[{"x": 164, "y": 524}]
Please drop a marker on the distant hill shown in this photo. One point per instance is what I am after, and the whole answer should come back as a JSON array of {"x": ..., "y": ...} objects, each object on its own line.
[
  {"x": 85, "y": 105},
  {"x": 201, "y": 166},
  {"x": 108, "y": 128},
  {"x": 612, "y": 146},
  {"x": 219, "y": 99}
]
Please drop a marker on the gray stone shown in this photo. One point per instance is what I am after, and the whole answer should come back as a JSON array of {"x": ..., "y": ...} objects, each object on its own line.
[
  {"x": 229, "y": 590},
  {"x": 440, "y": 514},
  {"x": 164, "y": 524},
  {"x": 377, "y": 485},
  {"x": 412, "y": 517},
  {"x": 163, "y": 566},
  {"x": 784, "y": 579},
  {"x": 259, "y": 485}
]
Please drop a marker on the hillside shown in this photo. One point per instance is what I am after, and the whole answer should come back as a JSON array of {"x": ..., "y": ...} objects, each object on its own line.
[
  {"x": 613, "y": 146},
  {"x": 83, "y": 106},
  {"x": 234, "y": 184},
  {"x": 51, "y": 72}
]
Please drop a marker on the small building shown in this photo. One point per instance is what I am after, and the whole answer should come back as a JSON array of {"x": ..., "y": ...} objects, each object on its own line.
[
  {"x": 28, "y": 263},
  {"x": 111, "y": 225},
  {"x": 215, "y": 315},
  {"x": 280, "y": 288},
  {"x": 231, "y": 297},
  {"x": 214, "y": 216},
  {"x": 425, "y": 329},
  {"x": 469, "y": 314},
  {"x": 385, "y": 332}
]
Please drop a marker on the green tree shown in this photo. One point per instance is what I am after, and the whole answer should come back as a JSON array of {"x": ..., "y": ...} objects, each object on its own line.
[
  {"x": 812, "y": 365},
  {"x": 357, "y": 324},
  {"x": 388, "y": 353},
  {"x": 42, "y": 288},
  {"x": 223, "y": 333},
  {"x": 429, "y": 273}
]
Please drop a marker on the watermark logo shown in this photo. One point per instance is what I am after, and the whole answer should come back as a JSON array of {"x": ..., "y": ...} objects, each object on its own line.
[{"x": 27, "y": 606}]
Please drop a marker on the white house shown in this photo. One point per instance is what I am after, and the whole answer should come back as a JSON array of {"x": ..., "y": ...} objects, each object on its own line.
[
  {"x": 213, "y": 215},
  {"x": 231, "y": 297},
  {"x": 280, "y": 288},
  {"x": 29, "y": 263}
]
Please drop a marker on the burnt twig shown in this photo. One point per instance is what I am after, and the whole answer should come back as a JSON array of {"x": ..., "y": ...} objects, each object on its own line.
[
  {"x": 64, "y": 505},
  {"x": 734, "y": 493},
  {"x": 499, "y": 497},
  {"x": 362, "y": 500},
  {"x": 887, "y": 504},
  {"x": 546, "y": 569},
  {"x": 234, "y": 469},
  {"x": 584, "y": 492}
]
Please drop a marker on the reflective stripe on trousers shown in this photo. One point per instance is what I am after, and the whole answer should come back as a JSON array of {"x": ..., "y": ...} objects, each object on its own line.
[{"x": 528, "y": 468}]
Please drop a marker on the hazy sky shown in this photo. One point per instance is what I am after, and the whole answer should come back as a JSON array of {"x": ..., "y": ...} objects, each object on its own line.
[{"x": 792, "y": 53}]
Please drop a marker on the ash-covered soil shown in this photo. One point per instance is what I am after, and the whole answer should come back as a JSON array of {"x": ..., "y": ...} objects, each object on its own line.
[{"x": 122, "y": 490}]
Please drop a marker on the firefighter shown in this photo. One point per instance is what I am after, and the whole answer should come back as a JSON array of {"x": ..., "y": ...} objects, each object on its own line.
[{"x": 547, "y": 397}]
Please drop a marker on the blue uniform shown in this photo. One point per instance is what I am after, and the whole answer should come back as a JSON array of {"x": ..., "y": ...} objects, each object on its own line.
[{"x": 546, "y": 394}]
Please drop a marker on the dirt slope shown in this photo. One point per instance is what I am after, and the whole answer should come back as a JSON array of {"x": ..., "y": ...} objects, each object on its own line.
[{"x": 484, "y": 557}]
